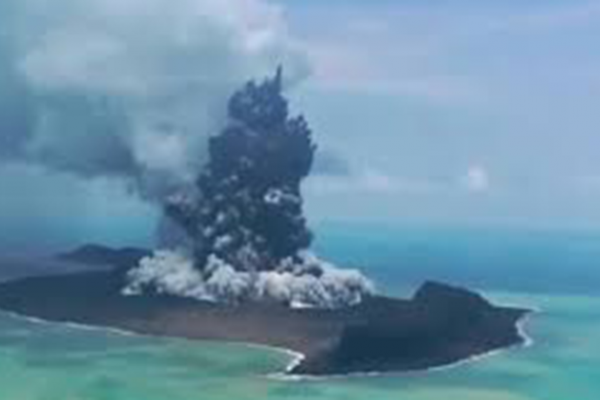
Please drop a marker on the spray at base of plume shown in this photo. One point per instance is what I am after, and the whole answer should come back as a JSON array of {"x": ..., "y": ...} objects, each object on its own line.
[
  {"x": 245, "y": 233},
  {"x": 305, "y": 282}
]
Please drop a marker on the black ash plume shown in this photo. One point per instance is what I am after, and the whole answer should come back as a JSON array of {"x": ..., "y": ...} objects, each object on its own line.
[
  {"x": 247, "y": 209},
  {"x": 247, "y": 235}
]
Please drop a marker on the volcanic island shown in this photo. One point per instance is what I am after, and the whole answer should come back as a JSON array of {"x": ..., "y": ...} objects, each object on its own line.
[{"x": 241, "y": 269}]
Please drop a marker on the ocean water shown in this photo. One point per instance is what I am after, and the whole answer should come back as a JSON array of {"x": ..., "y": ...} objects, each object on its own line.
[{"x": 45, "y": 361}]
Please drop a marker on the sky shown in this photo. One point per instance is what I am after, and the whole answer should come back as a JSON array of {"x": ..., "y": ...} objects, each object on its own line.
[{"x": 462, "y": 113}]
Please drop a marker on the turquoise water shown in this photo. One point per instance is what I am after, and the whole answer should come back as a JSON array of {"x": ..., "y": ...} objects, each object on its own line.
[
  {"x": 49, "y": 361},
  {"x": 41, "y": 361}
]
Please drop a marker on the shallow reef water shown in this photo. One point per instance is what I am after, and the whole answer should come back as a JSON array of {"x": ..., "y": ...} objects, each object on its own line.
[{"x": 48, "y": 361}]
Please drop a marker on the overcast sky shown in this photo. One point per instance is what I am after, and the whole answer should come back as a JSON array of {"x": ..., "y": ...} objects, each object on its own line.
[{"x": 462, "y": 113}]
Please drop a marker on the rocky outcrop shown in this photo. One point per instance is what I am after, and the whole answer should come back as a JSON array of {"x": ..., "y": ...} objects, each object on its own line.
[{"x": 441, "y": 325}]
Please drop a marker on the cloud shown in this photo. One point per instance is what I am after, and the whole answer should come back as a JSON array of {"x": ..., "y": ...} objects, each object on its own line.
[
  {"x": 378, "y": 182},
  {"x": 369, "y": 181},
  {"x": 130, "y": 88},
  {"x": 365, "y": 68},
  {"x": 476, "y": 179},
  {"x": 424, "y": 56},
  {"x": 329, "y": 162},
  {"x": 549, "y": 17}
]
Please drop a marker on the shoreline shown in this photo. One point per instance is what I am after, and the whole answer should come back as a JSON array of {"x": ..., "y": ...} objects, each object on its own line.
[
  {"x": 527, "y": 342},
  {"x": 371, "y": 338},
  {"x": 296, "y": 357}
]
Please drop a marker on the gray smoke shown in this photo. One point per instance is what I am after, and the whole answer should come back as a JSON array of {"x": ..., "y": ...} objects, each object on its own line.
[
  {"x": 293, "y": 282},
  {"x": 243, "y": 233},
  {"x": 129, "y": 88},
  {"x": 133, "y": 89}
]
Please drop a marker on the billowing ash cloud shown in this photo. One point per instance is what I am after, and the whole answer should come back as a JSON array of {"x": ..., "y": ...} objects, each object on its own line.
[
  {"x": 173, "y": 273},
  {"x": 135, "y": 89},
  {"x": 244, "y": 234},
  {"x": 129, "y": 88}
]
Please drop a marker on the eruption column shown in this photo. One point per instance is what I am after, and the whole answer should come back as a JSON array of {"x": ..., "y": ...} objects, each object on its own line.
[{"x": 247, "y": 234}]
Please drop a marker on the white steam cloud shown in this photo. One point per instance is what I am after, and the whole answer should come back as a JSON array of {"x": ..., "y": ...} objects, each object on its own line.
[
  {"x": 131, "y": 88},
  {"x": 310, "y": 282}
]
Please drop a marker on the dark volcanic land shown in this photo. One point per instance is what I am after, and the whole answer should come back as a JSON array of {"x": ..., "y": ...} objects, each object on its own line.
[{"x": 440, "y": 325}]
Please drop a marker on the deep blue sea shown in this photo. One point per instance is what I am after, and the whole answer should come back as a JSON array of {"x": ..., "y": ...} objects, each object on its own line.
[{"x": 556, "y": 272}]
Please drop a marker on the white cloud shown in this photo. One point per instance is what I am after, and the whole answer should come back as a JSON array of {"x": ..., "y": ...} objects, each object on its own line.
[
  {"x": 378, "y": 182},
  {"x": 368, "y": 181},
  {"x": 476, "y": 179},
  {"x": 172, "y": 272}
]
